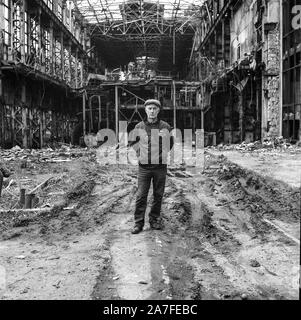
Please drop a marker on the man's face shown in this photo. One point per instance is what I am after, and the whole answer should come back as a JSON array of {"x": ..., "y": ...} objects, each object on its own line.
[{"x": 152, "y": 111}]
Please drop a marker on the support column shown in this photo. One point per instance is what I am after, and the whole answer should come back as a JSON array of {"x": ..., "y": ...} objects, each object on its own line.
[
  {"x": 1, "y": 33},
  {"x": 156, "y": 92},
  {"x": 11, "y": 27},
  {"x": 24, "y": 116},
  {"x": 107, "y": 113},
  {"x": 39, "y": 30},
  {"x": 64, "y": 4},
  {"x": 55, "y": 6},
  {"x": 174, "y": 105},
  {"x": 174, "y": 49},
  {"x": 99, "y": 113},
  {"x": 41, "y": 120},
  {"x": 82, "y": 72},
  {"x": 223, "y": 41},
  {"x": 51, "y": 49},
  {"x": 69, "y": 49},
  {"x": 1, "y": 46},
  {"x": 2, "y": 112},
  {"x": 22, "y": 31},
  {"x": 84, "y": 32},
  {"x": 281, "y": 72},
  {"x": 91, "y": 127},
  {"x": 30, "y": 129},
  {"x": 116, "y": 112},
  {"x": 13, "y": 122},
  {"x": 241, "y": 116},
  {"x": 76, "y": 69},
  {"x": 62, "y": 56},
  {"x": 70, "y": 18},
  {"x": 84, "y": 114}
]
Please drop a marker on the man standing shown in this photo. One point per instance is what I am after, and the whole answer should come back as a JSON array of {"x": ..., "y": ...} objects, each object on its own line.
[{"x": 153, "y": 151}]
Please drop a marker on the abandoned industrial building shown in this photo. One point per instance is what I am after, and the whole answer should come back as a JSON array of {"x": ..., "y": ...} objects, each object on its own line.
[
  {"x": 230, "y": 69},
  {"x": 236, "y": 63}
]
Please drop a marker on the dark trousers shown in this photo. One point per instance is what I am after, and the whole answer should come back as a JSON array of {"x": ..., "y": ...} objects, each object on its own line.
[{"x": 145, "y": 176}]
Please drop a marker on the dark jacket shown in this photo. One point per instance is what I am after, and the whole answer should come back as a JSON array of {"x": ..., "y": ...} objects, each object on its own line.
[{"x": 152, "y": 153}]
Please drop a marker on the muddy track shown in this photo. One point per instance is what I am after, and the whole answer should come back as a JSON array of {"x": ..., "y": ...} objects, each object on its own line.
[
  {"x": 229, "y": 234},
  {"x": 214, "y": 247}
]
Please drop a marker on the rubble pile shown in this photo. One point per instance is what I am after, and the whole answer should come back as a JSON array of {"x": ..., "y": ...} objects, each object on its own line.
[
  {"x": 279, "y": 144},
  {"x": 41, "y": 174},
  {"x": 62, "y": 154}
]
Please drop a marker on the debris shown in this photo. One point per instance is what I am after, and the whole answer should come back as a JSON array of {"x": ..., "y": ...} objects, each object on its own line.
[
  {"x": 25, "y": 291},
  {"x": 57, "y": 285},
  {"x": 54, "y": 258},
  {"x": 22, "y": 198},
  {"x": 116, "y": 278},
  {"x": 268, "y": 144},
  {"x": 255, "y": 264},
  {"x": 41, "y": 185},
  {"x": 143, "y": 282},
  {"x": 28, "y": 201},
  {"x": 20, "y": 257},
  {"x": 6, "y": 190}
]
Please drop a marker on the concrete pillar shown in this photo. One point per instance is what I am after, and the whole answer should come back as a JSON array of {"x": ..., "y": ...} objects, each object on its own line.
[{"x": 272, "y": 104}]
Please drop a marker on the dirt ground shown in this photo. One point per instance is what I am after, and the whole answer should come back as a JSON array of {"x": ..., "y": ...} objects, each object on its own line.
[{"x": 230, "y": 233}]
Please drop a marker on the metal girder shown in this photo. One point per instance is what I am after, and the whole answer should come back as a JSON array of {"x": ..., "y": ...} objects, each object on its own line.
[
  {"x": 119, "y": 18},
  {"x": 140, "y": 25}
]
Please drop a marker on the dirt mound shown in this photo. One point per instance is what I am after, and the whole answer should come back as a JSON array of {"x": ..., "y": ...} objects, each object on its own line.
[{"x": 261, "y": 195}]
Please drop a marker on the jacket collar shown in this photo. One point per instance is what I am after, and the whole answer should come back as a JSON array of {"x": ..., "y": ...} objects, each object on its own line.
[{"x": 152, "y": 123}]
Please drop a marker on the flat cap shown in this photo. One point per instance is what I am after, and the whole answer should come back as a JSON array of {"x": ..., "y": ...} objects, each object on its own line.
[{"x": 152, "y": 101}]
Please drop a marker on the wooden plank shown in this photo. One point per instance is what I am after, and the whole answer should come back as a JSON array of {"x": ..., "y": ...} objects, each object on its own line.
[
  {"x": 39, "y": 186},
  {"x": 18, "y": 211},
  {"x": 37, "y": 210}
]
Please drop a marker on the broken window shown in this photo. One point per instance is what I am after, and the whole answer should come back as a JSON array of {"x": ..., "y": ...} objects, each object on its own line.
[{"x": 291, "y": 73}]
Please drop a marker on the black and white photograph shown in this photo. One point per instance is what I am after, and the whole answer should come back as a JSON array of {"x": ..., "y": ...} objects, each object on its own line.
[{"x": 150, "y": 153}]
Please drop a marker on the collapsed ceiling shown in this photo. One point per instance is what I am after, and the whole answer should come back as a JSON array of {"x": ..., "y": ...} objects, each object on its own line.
[{"x": 125, "y": 29}]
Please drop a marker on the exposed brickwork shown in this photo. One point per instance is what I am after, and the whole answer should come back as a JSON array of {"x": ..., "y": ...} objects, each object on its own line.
[{"x": 271, "y": 85}]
